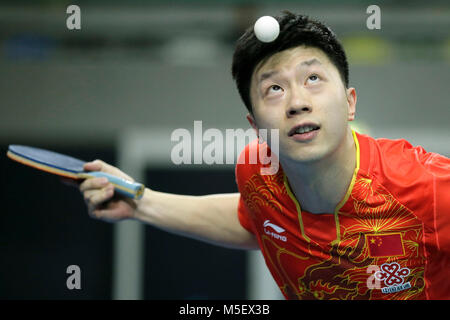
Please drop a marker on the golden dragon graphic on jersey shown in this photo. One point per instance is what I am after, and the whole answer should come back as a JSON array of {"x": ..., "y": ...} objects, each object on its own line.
[{"x": 381, "y": 242}]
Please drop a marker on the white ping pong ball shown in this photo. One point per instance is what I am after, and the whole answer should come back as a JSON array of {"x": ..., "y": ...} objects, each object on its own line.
[{"x": 266, "y": 29}]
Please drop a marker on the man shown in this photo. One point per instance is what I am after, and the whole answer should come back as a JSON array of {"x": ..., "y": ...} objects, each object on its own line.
[{"x": 345, "y": 216}]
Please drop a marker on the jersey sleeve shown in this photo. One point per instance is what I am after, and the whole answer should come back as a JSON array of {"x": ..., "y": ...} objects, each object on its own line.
[
  {"x": 244, "y": 216},
  {"x": 439, "y": 168},
  {"x": 243, "y": 172}
]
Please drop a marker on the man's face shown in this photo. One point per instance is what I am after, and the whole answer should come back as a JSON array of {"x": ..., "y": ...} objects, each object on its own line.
[{"x": 297, "y": 90}]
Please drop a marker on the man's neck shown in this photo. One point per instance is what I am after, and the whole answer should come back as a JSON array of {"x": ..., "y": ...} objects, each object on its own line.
[{"x": 321, "y": 185}]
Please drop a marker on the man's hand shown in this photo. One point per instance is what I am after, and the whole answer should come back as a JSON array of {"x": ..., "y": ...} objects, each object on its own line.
[
  {"x": 99, "y": 194},
  {"x": 211, "y": 218}
]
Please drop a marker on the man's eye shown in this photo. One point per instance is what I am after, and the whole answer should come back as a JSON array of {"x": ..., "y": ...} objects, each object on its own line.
[
  {"x": 274, "y": 88},
  {"x": 313, "y": 78}
]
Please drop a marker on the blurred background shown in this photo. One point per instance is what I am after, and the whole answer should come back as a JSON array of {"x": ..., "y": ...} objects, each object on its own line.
[{"x": 136, "y": 71}]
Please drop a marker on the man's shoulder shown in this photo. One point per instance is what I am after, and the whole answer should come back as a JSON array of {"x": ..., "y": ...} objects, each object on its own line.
[
  {"x": 401, "y": 151},
  {"x": 256, "y": 159},
  {"x": 400, "y": 158},
  {"x": 252, "y": 157},
  {"x": 398, "y": 148}
]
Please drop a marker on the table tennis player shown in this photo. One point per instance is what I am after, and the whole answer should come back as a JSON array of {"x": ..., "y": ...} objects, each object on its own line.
[{"x": 346, "y": 216}]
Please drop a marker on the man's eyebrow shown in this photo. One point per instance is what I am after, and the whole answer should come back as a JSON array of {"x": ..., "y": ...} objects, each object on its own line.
[
  {"x": 269, "y": 74},
  {"x": 310, "y": 62}
]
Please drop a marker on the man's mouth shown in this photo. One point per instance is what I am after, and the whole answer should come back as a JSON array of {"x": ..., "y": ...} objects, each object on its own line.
[
  {"x": 304, "y": 128},
  {"x": 304, "y": 132}
]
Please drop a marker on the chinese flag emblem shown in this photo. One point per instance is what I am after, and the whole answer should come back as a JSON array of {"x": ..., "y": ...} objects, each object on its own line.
[{"x": 385, "y": 245}]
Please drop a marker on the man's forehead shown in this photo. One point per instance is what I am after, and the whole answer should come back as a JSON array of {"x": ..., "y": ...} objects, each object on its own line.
[{"x": 297, "y": 55}]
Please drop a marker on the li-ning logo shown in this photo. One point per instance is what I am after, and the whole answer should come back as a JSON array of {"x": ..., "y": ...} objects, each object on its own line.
[
  {"x": 267, "y": 224},
  {"x": 392, "y": 274}
]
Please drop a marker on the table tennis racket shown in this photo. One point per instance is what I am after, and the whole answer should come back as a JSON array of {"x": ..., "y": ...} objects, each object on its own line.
[{"x": 69, "y": 167}]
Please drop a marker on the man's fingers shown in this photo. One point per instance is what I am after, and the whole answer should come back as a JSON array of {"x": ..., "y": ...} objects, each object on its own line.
[
  {"x": 113, "y": 210},
  {"x": 103, "y": 214},
  {"x": 99, "y": 165},
  {"x": 95, "y": 165},
  {"x": 93, "y": 184},
  {"x": 98, "y": 213},
  {"x": 96, "y": 197}
]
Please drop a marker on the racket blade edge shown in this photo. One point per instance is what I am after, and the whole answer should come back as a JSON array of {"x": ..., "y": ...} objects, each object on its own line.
[{"x": 40, "y": 166}]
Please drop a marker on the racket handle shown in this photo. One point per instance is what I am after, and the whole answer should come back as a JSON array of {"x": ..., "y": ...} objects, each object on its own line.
[{"x": 126, "y": 188}]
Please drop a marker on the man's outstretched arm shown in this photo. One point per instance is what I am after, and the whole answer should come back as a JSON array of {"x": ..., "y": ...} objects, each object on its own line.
[{"x": 210, "y": 218}]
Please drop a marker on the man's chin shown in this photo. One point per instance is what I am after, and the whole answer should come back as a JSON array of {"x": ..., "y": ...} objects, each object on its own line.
[{"x": 302, "y": 157}]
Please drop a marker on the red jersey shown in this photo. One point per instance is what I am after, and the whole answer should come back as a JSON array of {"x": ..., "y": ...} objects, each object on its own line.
[{"x": 389, "y": 237}]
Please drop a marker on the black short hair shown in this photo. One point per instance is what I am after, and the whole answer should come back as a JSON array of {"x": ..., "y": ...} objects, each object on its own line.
[{"x": 295, "y": 30}]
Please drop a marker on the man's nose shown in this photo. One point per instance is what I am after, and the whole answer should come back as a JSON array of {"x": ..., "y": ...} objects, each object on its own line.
[{"x": 298, "y": 103}]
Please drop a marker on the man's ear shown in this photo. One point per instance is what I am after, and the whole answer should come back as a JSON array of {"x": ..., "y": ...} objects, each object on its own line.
[
  {"x": 351, "y": 100},
  {"x": 252, "y": 122}
]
